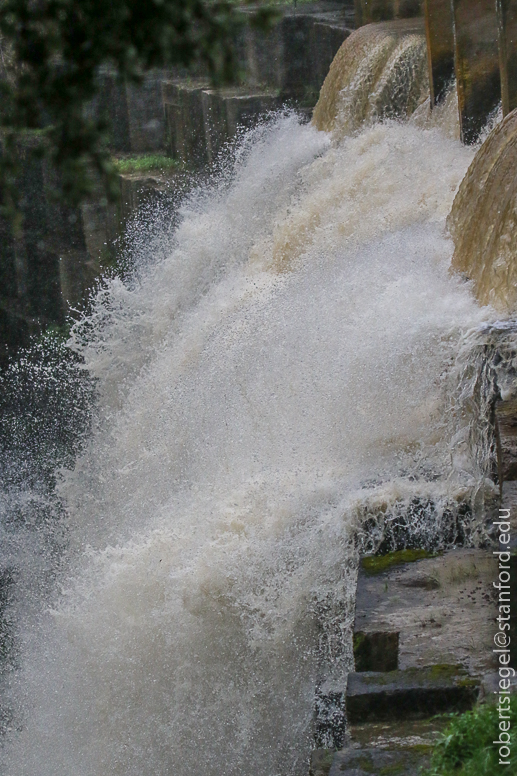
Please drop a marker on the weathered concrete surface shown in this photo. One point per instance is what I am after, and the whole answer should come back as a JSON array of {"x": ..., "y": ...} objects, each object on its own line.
[
  {"x": 443, "y": 609},
  {"x": 440, "y": 47},
  {"x": 381, "y": 748},
  {"x": 398, "y": 733},
  {"x": 507, "y": 24},
  {"x": 201, "y": 119},
  {"x": 477, "y": 64}
]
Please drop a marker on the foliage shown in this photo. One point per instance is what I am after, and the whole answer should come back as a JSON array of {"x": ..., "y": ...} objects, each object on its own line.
[
  {"x": 466, "y": 747},
  {"x": 51, "y": 53}
]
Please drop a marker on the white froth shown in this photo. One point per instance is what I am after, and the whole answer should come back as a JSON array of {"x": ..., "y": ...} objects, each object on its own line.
[{"x": 287, "y": 364}]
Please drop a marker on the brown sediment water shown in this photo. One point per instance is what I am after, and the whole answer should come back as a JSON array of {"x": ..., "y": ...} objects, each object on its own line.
[
  {"x": 483, "y": 220},
  {"x": 380, "y": 72}
]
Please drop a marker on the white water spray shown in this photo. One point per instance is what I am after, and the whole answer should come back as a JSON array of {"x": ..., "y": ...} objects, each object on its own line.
[{"x": 283, "y": 374}]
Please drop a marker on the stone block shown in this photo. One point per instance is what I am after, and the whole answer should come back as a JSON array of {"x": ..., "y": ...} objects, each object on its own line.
[
  {"x": 415, "y": 693},
  {"x": 263, "y": 56},
  {"x": 215, "y": 122},
  {"x": 321, "y": 760},
  {"x": 146, "y": 117},
  {"x": 326, "y": 40},
  {"x": 296, "y": 75},
  {"x": 244, "y": 108},
  {"x": 186, "y": 139},
  {"x": 439, "y": 27},
  {"x": 477, "y": 64},
  {"x": 136, "y": 191},
  {"x": 507, "y": 25},
  {"x": 330, "y": 715},
  {"x": 111, "y": 101},
  {"x": 74, "y": 277},
  {"x": 398, "y": 733}
]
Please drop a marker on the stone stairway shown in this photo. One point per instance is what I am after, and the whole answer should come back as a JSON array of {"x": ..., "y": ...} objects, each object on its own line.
[{"x": 422, "y": 646}]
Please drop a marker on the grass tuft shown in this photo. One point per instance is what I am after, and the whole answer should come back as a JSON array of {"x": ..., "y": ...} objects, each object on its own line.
[
  {"x": 466, "y": 746},
  {"x": 147, "y": 163}
]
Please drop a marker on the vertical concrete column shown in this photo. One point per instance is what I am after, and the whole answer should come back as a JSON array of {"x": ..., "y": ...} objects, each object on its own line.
[
  {"x": 477, "y": 64},
  {"x": 507, "y": 23},
  {"x": 439, "y": 28}
]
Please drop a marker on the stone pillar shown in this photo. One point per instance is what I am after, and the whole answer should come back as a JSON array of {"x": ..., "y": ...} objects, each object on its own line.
[
  {"x": 214, "y": 118},
  {"x": 146, "y": 115},
  {"x": 111, "y": 101},
  {"x": 440, "y": 46},
  {"x": 477, "y": 64},
  {"x": 184, "y": 119},
  {"x": 507, "y": 23}
]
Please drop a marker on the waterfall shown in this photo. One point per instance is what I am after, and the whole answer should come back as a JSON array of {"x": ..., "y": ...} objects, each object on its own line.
[
  {"x": 274, "y": 384},
  {"x": 483, "y": 220},
  {"x": 379, "y": 72}
]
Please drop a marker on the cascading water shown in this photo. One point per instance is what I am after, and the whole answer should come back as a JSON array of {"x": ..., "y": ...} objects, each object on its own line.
[{"x": 286, "y": 378}]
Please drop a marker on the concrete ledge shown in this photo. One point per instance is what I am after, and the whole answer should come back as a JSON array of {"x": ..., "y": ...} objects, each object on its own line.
[{"x": 367, "y": 762}]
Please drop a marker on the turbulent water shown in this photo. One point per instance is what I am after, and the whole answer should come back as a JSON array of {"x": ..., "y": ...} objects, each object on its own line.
[
  {"x": 483, "y": 220},
  {"x": 282, "y": 382},
  {"x": 380, "y": 72}
]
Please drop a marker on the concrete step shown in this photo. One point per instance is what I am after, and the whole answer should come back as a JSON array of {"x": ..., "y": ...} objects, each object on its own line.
[
  {"x": 416, "y": 693},
  {"x": 377, "y": 762}
]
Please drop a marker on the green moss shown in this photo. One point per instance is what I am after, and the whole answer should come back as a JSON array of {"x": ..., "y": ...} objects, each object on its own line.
[
  {"x": 444, "y": 670},
  {"x": 147, "y": 163},
  {"x": 365, "y": 764},
  {"x": 376, "y": 564},
  {"x": 392, "y": 770}
]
